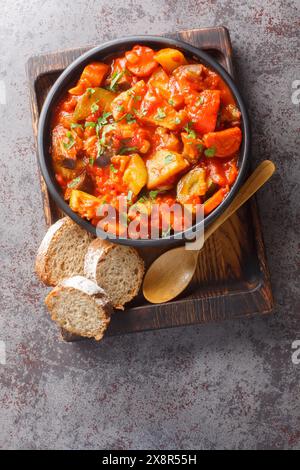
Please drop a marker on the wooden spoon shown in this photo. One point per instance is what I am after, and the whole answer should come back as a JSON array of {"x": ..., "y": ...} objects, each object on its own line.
[{"x": 172, "y": 272}]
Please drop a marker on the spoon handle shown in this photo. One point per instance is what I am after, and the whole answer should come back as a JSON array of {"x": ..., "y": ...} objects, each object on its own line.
[{"x": 257, "y": 179}]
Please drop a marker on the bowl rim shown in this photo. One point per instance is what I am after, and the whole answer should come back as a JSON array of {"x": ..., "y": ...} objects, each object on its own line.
[{"x": 108, "y": 49}]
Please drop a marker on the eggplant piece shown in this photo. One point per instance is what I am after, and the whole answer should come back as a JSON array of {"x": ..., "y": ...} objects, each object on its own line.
[
  {"x": 83, "y": 182},
  {"x": 191, "y": 184},
  {"x": 66, "y": 173},
  {"x": 103, "y": 160},
  {"x": 69, "y": 163}
]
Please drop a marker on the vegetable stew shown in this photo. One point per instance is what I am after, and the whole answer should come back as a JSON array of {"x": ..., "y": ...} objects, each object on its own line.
[{"x": 149, "y": 126}]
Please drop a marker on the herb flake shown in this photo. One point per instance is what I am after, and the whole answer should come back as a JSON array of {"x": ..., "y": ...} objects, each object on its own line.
[
  {"x": 160, "y": 114},
  {"x": 124, "y": 150},
  {"x": 71, "y": 141},
  {"x": 169, "y": 158},
  {"x": 210, "y": 152},
  {"x": 74, "y": 182},
  {"x": 90, "y": 91},
  {"x": 116, "y": 76},
  {"x": 130, "y": 118},
  {"x": 94, "y": 108},
  {"x": 191, "y": 133},
  {"x": 153, "y": 194},
  {"x": 74, "y": 125},
  {"x": 113, "y": 169}
]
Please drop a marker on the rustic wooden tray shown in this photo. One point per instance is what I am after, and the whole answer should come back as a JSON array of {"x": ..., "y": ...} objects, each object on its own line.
[{"x": 232, "y": 279}]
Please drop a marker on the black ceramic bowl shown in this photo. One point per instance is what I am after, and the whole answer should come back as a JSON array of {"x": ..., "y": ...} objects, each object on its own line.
[{"x": 100, "y": 53}]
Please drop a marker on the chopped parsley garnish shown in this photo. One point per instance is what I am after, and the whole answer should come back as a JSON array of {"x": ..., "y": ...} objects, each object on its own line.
[
  {"x": 137, "y": 97},
  {"x": 74, "y": 182},
  {"x": 142, "y": 199},
  {"x": 94, "y": 108},
  {"x": 102, "y": 120},
  {"x": 70, "y": 143},
  {"x": 199, "y": 101},
  {"x": 90, "y": 124},
  {"x": 120, "y": 108},
  {"x": 116, "y": 76},
  {"x": 74, "y": 125},
  {"x": 160, "y": 114},
  {"x": 139, "y": 113},
  {"x": 113, "y": 169},
  {"x": 124, "y": 150},
  {"x": 91, "y": 161},
  {"x": 171, "y": 102},
  {"x": 153, "y": 194},
  {"x": 210, "y": 152},
  {"x": 101, "y": 142},
  {"x": 90, "y": 91},
  {"x": 100, "y": 148},
  {"x": 191, "y": 133},
  {"x": 200, "y": 147},
  {"x": 130, "y": 118},
  {"x": 177, "y": 120},
  {"x": 169, "y": 158}
]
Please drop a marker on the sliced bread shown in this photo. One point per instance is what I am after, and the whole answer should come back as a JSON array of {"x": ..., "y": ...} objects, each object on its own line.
[
  {"x": 80, "y": 307},
  {"x": 118, "y": 269},
  {"x": 62, "y": 251}
]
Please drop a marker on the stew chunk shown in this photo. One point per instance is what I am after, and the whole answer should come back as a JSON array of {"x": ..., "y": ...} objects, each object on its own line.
[{"x": 163, "y": 166}]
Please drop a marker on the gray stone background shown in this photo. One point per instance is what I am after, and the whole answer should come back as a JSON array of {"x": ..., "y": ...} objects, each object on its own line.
[{"x": 231, "y": 385}]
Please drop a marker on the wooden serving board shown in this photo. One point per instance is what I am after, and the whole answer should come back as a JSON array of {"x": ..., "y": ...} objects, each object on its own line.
[{"x": 232, "y": 279}]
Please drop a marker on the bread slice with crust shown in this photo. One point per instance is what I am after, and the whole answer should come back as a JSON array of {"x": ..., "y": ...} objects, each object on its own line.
[
  {"x": 62, "y": 251},
  {"x": 80, "y": 307},
  {"x": 118, "y": 269}
]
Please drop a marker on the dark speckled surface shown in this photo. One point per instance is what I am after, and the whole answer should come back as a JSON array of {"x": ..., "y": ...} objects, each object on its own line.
[{"x": 231, "y": 385}]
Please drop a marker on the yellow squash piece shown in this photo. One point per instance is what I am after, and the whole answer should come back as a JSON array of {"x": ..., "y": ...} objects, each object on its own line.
[
  {"x": 97, "y": 97},
  {"x": 85, "y": 204},
  {"x": 191, "y": 184},
  {"x": 135, "y": 175},
  {"x": 170, "y": 59},
  {"x": 163, "y": 166}
]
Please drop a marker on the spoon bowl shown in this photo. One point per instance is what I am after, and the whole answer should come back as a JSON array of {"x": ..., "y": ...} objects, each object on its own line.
[{"x": 160, "y": 287}]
